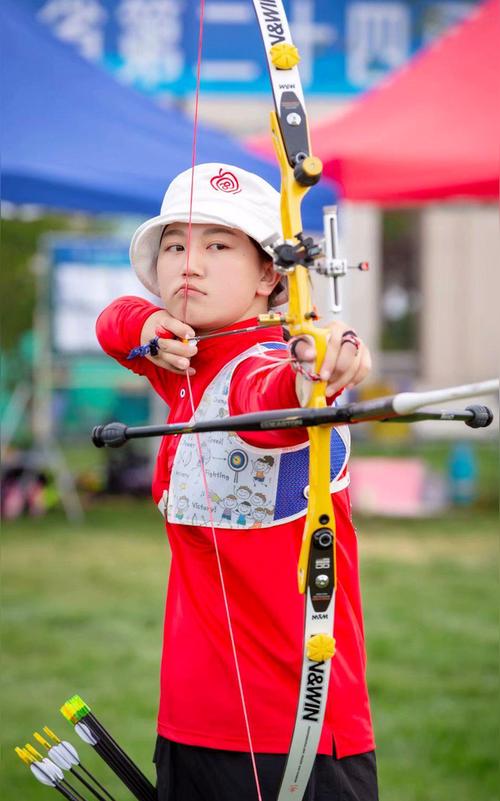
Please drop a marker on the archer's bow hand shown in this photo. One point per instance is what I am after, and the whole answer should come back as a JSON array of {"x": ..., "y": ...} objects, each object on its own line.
[
  {"x": 347, "y": 360},
  {"x": 172, "y": 351}
]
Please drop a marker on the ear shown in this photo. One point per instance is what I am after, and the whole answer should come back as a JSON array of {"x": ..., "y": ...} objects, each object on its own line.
[{"x": 268, "y": 278}]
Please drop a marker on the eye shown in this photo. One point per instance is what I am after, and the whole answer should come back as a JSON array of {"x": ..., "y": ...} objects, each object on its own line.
[
  {"x": 173, "y": 248},
  {"x": 218, "y": 246}
]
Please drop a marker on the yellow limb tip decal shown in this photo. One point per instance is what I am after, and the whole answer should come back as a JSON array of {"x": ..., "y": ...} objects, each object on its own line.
[
  {"x": 284, "y": 56},
  {"x": 320, "y": 647}
]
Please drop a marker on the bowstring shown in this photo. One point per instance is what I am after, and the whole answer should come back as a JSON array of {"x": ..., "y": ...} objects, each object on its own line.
[{"x": 197, "y": 436}]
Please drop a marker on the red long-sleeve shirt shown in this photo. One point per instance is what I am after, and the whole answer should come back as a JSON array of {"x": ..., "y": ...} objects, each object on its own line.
[{"x": 200, "y": 700}]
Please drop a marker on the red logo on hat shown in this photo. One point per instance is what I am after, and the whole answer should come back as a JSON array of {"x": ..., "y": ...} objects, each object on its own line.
[{"x": 225, "y": 182}]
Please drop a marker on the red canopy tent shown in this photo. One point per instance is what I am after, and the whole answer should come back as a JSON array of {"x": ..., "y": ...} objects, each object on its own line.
[{"x": 431, "y": 131}]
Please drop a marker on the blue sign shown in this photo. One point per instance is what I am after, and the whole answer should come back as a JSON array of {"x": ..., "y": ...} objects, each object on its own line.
[
  {"x": 86, "y": 274},
  {"x": 346, "y": 46}
]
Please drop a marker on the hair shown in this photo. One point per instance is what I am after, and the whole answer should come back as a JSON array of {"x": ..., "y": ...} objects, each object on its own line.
[{"x": 280, "y": 286}]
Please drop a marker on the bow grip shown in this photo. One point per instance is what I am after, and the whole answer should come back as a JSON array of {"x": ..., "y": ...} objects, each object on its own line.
[{"x": 321, "y": 337}]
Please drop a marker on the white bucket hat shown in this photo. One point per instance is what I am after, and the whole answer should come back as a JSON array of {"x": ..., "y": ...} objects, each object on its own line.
[{"x": 222, "y": 194}]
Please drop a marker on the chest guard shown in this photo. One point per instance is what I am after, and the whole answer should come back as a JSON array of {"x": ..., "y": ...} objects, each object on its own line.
[{"x": 249, "y": 487}]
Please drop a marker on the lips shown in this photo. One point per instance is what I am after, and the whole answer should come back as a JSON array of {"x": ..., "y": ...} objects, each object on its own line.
[{"x": 189, "y": 288}]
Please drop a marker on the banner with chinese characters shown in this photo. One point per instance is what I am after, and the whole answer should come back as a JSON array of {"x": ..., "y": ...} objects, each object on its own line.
[{"x": 347, "y": 46}]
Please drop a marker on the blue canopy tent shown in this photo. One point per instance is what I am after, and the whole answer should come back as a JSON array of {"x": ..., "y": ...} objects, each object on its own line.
[{"x": 74, "y": 138}]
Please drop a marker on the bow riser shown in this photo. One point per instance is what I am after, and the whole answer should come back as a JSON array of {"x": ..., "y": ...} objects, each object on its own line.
[
  {"x": 292, "y": 193},
  {"x": 320, "y": 515}
]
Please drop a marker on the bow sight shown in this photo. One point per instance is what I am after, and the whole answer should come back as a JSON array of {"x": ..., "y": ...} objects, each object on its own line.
[
  {"x": 329, "y": 264},
  {"x": 320, "y": 257}
]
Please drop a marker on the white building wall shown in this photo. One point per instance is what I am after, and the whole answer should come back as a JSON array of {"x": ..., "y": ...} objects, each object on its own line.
[
  {"x": 361, "y": 240},
  {"x": 460, "y": 272}
]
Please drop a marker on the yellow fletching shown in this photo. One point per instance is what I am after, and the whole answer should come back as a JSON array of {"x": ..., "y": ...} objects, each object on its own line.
[
  {"x": 23, "y": 754},
  {"x": 51, "y": 734},
  {"x": 320, "y": 647},
  {"x": 284, "y": 56},
  {"x": 33, "y": 751},
  {"x": 38, "y": 737},
  {"x": 68, "y": 712}
]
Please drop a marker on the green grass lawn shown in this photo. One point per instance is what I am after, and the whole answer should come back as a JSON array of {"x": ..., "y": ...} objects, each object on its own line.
[
  {"x": 431, "y": 613},
  {"x": 82, "y": 613}
]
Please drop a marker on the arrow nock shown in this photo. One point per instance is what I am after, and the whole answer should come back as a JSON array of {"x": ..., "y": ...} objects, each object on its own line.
[{"x": 68, "y": 712}]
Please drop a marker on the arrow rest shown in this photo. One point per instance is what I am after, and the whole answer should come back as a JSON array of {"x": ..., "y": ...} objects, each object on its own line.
[{"x": 288, "y": 255}]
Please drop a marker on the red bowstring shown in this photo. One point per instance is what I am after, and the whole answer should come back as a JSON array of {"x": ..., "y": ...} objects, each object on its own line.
[{"x": 193, "y": 412}]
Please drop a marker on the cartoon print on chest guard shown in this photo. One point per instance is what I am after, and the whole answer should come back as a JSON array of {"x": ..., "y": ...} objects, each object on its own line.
[
  {"x": 182, "y": 507},
  {"x": 261, "y": 467},
  {"x": 248, "y": 487},
  {"x": 228, "y": 504}
]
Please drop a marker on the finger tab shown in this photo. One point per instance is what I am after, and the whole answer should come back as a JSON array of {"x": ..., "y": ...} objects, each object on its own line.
[{"x": 164, "y": 333}]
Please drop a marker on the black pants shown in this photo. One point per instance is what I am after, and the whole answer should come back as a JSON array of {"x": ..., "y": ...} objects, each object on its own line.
[{"x": 192, "y": 773}]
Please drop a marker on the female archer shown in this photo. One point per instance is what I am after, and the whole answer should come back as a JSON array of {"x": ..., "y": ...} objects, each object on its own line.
[{"x": 205, "y": 257}]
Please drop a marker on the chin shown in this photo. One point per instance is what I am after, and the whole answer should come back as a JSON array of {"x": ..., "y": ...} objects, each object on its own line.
[
  {"x": 199, "y": 315},
  {"x": 198, "y": 320},
  {"x": 187, "y": 313}
]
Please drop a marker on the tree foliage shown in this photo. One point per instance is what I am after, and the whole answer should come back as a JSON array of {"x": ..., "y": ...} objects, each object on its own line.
[{"x": 20, "y": 242}]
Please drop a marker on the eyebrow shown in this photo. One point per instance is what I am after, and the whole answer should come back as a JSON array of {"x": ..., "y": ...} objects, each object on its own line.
[{"x": 208, "y": 232}]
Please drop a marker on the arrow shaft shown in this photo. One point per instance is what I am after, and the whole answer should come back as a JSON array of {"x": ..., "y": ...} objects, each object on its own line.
[
  {"x": 96, "y": 782},
  {"x": 86, "y": 784},
  {"x": 65, "y": 783},
  {"x": 67, "y": 793},
  {"x": 89, "y": 728}
]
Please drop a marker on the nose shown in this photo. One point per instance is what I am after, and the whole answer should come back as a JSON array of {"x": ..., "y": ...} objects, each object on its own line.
[{"x": 193, "y": 263}]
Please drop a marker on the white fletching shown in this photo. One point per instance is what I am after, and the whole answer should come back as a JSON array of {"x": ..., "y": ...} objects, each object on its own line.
[
  {"x": 85, "y": 734},
  {"x": 71, "y": 752},
  {"x": 47, "y": 772},
  {"x": 61, "y": 759},
  {"x": 41, "y": 775}
]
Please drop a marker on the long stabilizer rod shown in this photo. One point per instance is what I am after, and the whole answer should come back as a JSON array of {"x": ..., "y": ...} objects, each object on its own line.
[
  {"x": 407, "y": 402},
  {"x": 405, "y": 407}
]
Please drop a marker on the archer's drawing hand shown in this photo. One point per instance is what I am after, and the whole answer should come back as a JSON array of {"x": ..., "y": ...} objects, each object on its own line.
[
  {"x": 347, "y": 360},
  {"x": 174, "y": 354}
]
